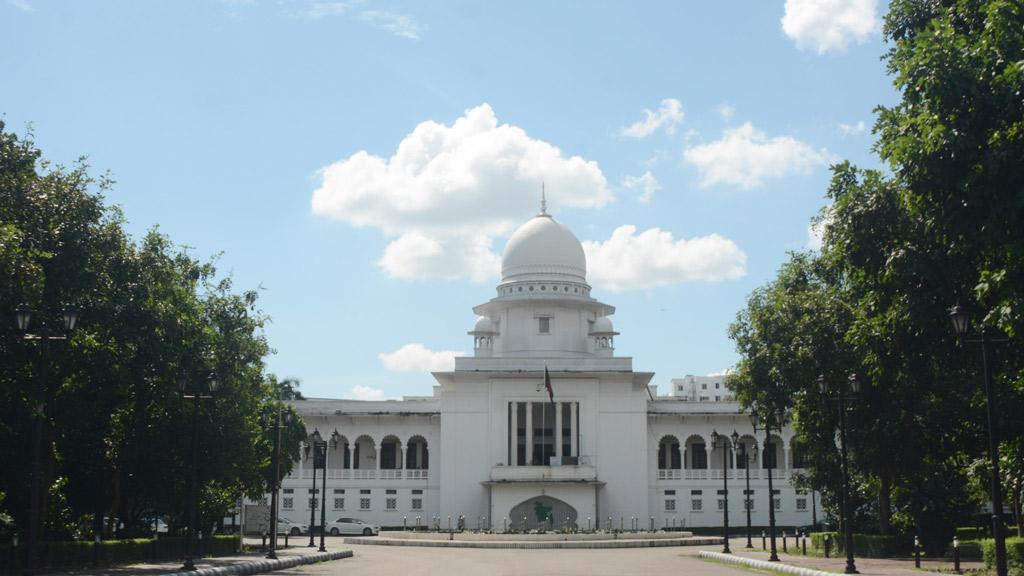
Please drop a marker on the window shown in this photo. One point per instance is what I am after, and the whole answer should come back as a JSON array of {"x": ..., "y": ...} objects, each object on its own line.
[
  {"x": 364, "y": 503},
  {"x": 696, "y": 504},
  {"x": 670, "y": 505},
  {"x": 339, "y": 490},
  {"x": 721, "y": 504},
  {"x": 289, "y": 491},
  {"x": 801, "y": 504},
  {"x": 417, "y": 491},
  {"x": 716, "y": 385},
  {"x": 417, "y": 503},
  {"x": 391, "y": 491},
  {"x": 778, "y": 504},
  {"x": 704, "y": 386},
  {"x": 717, "y": 398},
  {"x": 698, "y": 456},
  {"x": 670, "y": 492},
  {"x": 314, "y": 503},
  {"x": 391, "y": 503},
  {"x": 288, "y": 502},
  {"x": 750, "y": 504},
  {"x": 339, "y": 503},
  {"x": 364, "y": 491},
  {"x": 768, "y": 459},
  {"x": 544, "y": 324}
]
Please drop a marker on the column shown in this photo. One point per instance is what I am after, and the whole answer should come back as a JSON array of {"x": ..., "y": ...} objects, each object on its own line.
[
  {"x": 379, "y": 446},
  {"x": 574, "y": 440},
  {"x": 302, "y": 445},
  {"x": 529, "y": 433},
  {"x": 403, "y": 447},
  {"x": 513, "y": 432},
  {"x": 558, "y": 429}
]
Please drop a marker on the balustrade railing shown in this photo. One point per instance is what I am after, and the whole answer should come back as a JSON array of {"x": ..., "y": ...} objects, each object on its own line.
[{"x": 364, "y": 474}]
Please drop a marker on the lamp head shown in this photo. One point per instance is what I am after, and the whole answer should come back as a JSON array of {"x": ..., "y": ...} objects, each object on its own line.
[
  {"x": 735, "y": 436},
  {"x": 212, "y": 382},
  {"x": 961, "y": 320},
  {"x": 22, "y": 316},
  {"x": 70, "y": 315}
]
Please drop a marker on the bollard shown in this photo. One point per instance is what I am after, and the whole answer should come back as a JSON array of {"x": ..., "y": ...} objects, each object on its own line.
[
  {"x": 609, "y": 523},
  {"x": 524, "y": 523},
  {"x": 632, "y": 523},
  {"x": 504, "y": 524},
  {"x": 917, "y": 553},
  {"x": 828, "y": 545},
  {"x": 652, "y": 523},
  {"x": 956, "y": 555},
  {"x": 96, "y": 551},
  {"x": 588, "y": 523},
  {"x": 622, "y": 524},
  {"x": 784, "y": 548},
  {"x": 200, "y": 543},
  {"x": 486, "y": 525},
  {"x": 286, "y": 538},
  {"x": 14, "y": 553},
  {"x": 805, "y": 544},
  {"x": 764, "y": 543},
  {"x": 405, "y": 523},
  {"x": 263, "y": 543}
]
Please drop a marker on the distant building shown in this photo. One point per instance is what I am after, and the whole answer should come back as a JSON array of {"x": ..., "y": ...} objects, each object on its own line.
[{"x": 490, "y": 443}]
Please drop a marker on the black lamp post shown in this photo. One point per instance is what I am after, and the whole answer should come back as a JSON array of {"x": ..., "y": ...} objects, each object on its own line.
[
  {"x": 768, "y": 426},
  {"x": 961, "y": 323},
  {"x": 314, "y": 443},
  {"x": 747, "y": 501},
  {"x": 197, "y": 394},
  {"x": 275, "y": 482},
  {"x": 721, "y": 442},
  {"x": 23, "y": 317},
  {"x": 841, "y": 397}
]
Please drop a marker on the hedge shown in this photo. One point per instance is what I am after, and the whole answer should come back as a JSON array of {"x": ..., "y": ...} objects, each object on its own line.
[
  {"x": 970, "y": 533},
  {"x": 864, "y": 545},
  {"x": 119, "y": 552},
  {"x": 1014, "y": 554}
]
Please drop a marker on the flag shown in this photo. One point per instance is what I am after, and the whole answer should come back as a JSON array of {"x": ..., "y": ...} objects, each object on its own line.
[{"x": 547, "y": 384}]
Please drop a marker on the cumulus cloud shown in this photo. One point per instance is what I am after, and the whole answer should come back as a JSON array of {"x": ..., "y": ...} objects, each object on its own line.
[
  {"x": 418, "y": 358},
  {"x": 726, "y": 111},
  {"x": 745, "y": 157},
  {"x": 825, "y": 25},
  {"x": 667, "y": 115},
  {"x": 653, "y": 258},
  {"x": 725, "y": 372},
  {"x": 646, "y": 183},
  {"x": 448, "y": 191},
  {"x": 319, "y": 10},
  {"x": 816, "y": 229},
  {"x": 852, "y": 129},
  {"x": 367, "y": 393},
  {"x": 22, "y": 5}
]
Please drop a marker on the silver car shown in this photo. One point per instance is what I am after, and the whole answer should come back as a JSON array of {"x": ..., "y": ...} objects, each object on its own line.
[
  {"x": 352, "y": 526},
  {"x": 286, "y": 526}
]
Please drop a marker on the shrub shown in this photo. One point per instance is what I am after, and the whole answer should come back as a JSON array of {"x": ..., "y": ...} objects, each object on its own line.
[
  {"x": 864, "y": 545},
  {"x": 1014, "y": 554},
  {"x": 120, "y": 552},
  {"x": 969, "y": 533}
]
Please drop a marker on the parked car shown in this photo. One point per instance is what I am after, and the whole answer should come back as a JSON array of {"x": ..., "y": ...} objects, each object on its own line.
[
  {"x": 352, "y": 526},
  {"x": 286, "y": 526}
]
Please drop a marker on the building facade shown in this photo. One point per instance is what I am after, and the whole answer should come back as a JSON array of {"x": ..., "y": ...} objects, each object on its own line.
[{"x": 496, "y": 445}]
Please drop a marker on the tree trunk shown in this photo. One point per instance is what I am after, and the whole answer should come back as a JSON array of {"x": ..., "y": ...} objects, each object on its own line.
[
  {"x": 884, "y": 503},
  {"x": 1015, "y": 495}
]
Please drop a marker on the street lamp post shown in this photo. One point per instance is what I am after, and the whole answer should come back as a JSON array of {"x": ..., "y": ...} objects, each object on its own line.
[
  {"x": 841, "y": 398},
  {"x": 774, "y": 557},
  {"x": 746, "y": 493},
  {"x": 275, "y": 483},
  {"x": 193, "y": 504},
  {"x": 721, "y": 442},
  {"x": 314, "y": 443},
  {"x": 23, "y": 317},
  {"x": 961, "y": 323}
]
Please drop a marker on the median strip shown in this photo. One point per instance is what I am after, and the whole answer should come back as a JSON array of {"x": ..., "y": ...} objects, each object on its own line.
[
  {"x": 260, "y": 566},
  {"x": 762, "y": 564}
]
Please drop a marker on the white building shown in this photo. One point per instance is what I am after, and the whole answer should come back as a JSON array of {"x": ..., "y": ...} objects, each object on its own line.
[{"x": 490, "y": 444}]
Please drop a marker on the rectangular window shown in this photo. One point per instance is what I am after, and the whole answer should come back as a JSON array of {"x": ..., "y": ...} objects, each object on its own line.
[
  {"x": 801, "y": 504},
  {"x": 339, "y": 490},
  {"x": 696, "y": 492},
  {"x": 289, "y": 491},
  {"x": 721, "y": 504},
  {"x": 313, "y": 490},
  {"x": 417, "y": 491},
  {"x": 670, "y": 505},
  {"x": 417, "y": 503},
  {"x": 544, "y": 324},
  {"x": 391, "y": 503},
  {"x": 704, "y": 386},
  {"x": 364, "y": 491},
  {"x": 288, "y": 502},
  {"x": 750, "y": 504},
  {"x": 313, "y": 503},
  {"x": 768, "y": 459},
  {"x": 670, "y": 492},
  {"x": 339, "y": 503},
  {"x": 778, "y": 504},
  {"x": 696, "y": 505},
  {"x": 698, "y": 456},
  {"x": 716, "y": 385},
  {"x": 364, "y": 503},
  {"x": 391, "y": 491}
]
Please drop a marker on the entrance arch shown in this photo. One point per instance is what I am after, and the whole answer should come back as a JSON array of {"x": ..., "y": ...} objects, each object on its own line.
[{"x": 543, "y": 512}]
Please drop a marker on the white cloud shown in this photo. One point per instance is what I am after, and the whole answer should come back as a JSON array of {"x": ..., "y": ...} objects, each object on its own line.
[
  {"x": 726, "y": 111},
  {"x": 852, "y": 129},
  {"x": 725, "y": 372},
  {"x": 745, "y": 156},
  {"x": 646, "y": 183},
  {"x": 668, "y": 115},
  {"x": 318, "y": 10},
  {"x": 418, "y": 358},
  {"x": 367, "y": 393},
  {"x": 816, "y": 229},
  {"x": 653, "y": 258},
  {"x": 397, "y": 24},
  {"x": 448, "y": 191},
  {"x": 22, "y": 5},
  {"x": 826, "y": 25}
]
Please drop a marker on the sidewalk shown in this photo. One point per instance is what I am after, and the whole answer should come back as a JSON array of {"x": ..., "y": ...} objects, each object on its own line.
[
  {"x": 242, "y": 563},
  {"x": 866, "y": 566}
]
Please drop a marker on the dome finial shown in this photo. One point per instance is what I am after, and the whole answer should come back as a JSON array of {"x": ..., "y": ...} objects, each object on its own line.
[{"x": 543, "y": 200}]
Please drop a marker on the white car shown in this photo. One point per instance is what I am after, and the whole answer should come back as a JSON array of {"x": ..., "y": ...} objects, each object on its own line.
[
  {"x": 352, "y": 526},
  {"x": 286, "y": 526}
]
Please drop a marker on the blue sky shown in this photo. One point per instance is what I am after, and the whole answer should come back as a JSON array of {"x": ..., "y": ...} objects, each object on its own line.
[{"x": 363, "y": 162}]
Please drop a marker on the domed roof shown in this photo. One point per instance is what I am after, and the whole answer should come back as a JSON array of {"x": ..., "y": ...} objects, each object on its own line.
[
  {"x": 484, "y": 324},
  {"x": 602, "y": 325},
  {"x": 543, "y": 248}
]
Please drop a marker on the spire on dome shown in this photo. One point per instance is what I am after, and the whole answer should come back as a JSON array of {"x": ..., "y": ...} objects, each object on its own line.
[{"x": 543, "y": 201}]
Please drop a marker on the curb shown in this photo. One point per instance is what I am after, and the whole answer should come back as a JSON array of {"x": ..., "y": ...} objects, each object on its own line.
[
  {"x": 539, "y": 545},
  {"x": 260, "y": 566},
  {"x": 763, "y": 564}
]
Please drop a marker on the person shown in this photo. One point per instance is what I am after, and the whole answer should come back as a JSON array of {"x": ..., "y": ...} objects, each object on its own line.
[{"x": 462, "y": 522}]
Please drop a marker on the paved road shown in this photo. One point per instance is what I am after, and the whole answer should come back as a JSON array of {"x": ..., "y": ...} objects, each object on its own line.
[{"x": 416, "y": 561}]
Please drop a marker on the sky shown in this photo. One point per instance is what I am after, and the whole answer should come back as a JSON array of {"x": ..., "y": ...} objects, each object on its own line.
[{"x": 362, "y": 163}]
